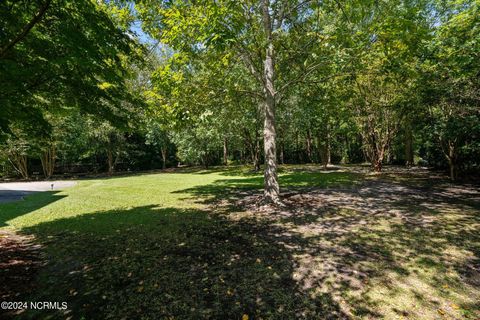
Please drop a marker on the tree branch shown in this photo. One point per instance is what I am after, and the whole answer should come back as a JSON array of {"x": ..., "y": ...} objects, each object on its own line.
[{"x": 26, "y": 29}]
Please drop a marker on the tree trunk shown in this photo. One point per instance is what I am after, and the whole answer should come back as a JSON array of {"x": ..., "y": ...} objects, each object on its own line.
[
  {"x": 452, "y": 160},
  {"x": 453, "y": 170},
  {"x": 254, "y": 147},
  {"x": 309, "y": 146},
  {"x": 346, "y": 147},
  {"x": 282, "y": 153},
  {"x": 110, "y": 162},
  {"x": 298, "y": 149},
  {"x": 323, "y": 151},
  {"x": 225, "y": 152},
  {"x": 324, "y": 155},
  {"x": 206, "y": 159},
  {"x": 272, "y": 188},
  {"x": 374, "y": 149},
  {"x": 329, "y": 153},
  {"x": 48, "y": 161},
  {"x": 163, "y": 150},
  {"x": 377, "y": 165},
  {"x": 408, "y": 147},
  {"x": 365, "y": 155},
  {"x": 255, "y": 157},
  {"x": 377, "y": 160},
  {"x": 20, "y": 164},
  {"x": 256, "y": 163}
]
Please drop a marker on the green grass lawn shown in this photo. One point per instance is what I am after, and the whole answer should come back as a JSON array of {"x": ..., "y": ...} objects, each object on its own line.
[
  {"x": 186, "y": 190},
  {"x": 150, "y": 247}
]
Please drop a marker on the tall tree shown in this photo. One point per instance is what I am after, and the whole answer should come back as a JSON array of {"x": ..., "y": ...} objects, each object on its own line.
[{"x": 261, "y": 34}]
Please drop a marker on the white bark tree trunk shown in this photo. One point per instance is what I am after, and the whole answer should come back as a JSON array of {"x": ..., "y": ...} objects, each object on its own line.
[{"x": 48, "y": 161}]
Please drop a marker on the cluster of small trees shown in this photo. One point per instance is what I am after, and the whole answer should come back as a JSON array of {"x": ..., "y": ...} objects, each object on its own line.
[
  {"x": 254, "y": 81},
  {"x": 79, "y": 145}
]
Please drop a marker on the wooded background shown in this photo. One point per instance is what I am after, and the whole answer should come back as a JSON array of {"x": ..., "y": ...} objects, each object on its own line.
[{"x": 104, "y": 86}]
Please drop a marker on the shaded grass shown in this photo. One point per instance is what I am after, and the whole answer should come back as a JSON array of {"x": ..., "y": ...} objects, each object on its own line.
[{"x": 156, "y": 263}]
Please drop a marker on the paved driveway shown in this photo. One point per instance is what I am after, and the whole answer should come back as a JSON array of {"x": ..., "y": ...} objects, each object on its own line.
[{"x": 13, "y": 191}]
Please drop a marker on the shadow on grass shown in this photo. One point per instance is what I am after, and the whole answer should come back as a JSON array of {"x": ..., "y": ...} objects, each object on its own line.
[
  {"x": 236, "y": 188},
  {"x": 37, "y": 200},
  {"x": 248, "y": 171},
  {"x": 379, "y": 251},
  {"x": 243, "y": 170},
  {"x": 396, "y": 250},
  {"x": 380, "y": 248},
  {"x": 155, "y": 263},
  {"x": 151, "y": 263}
]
